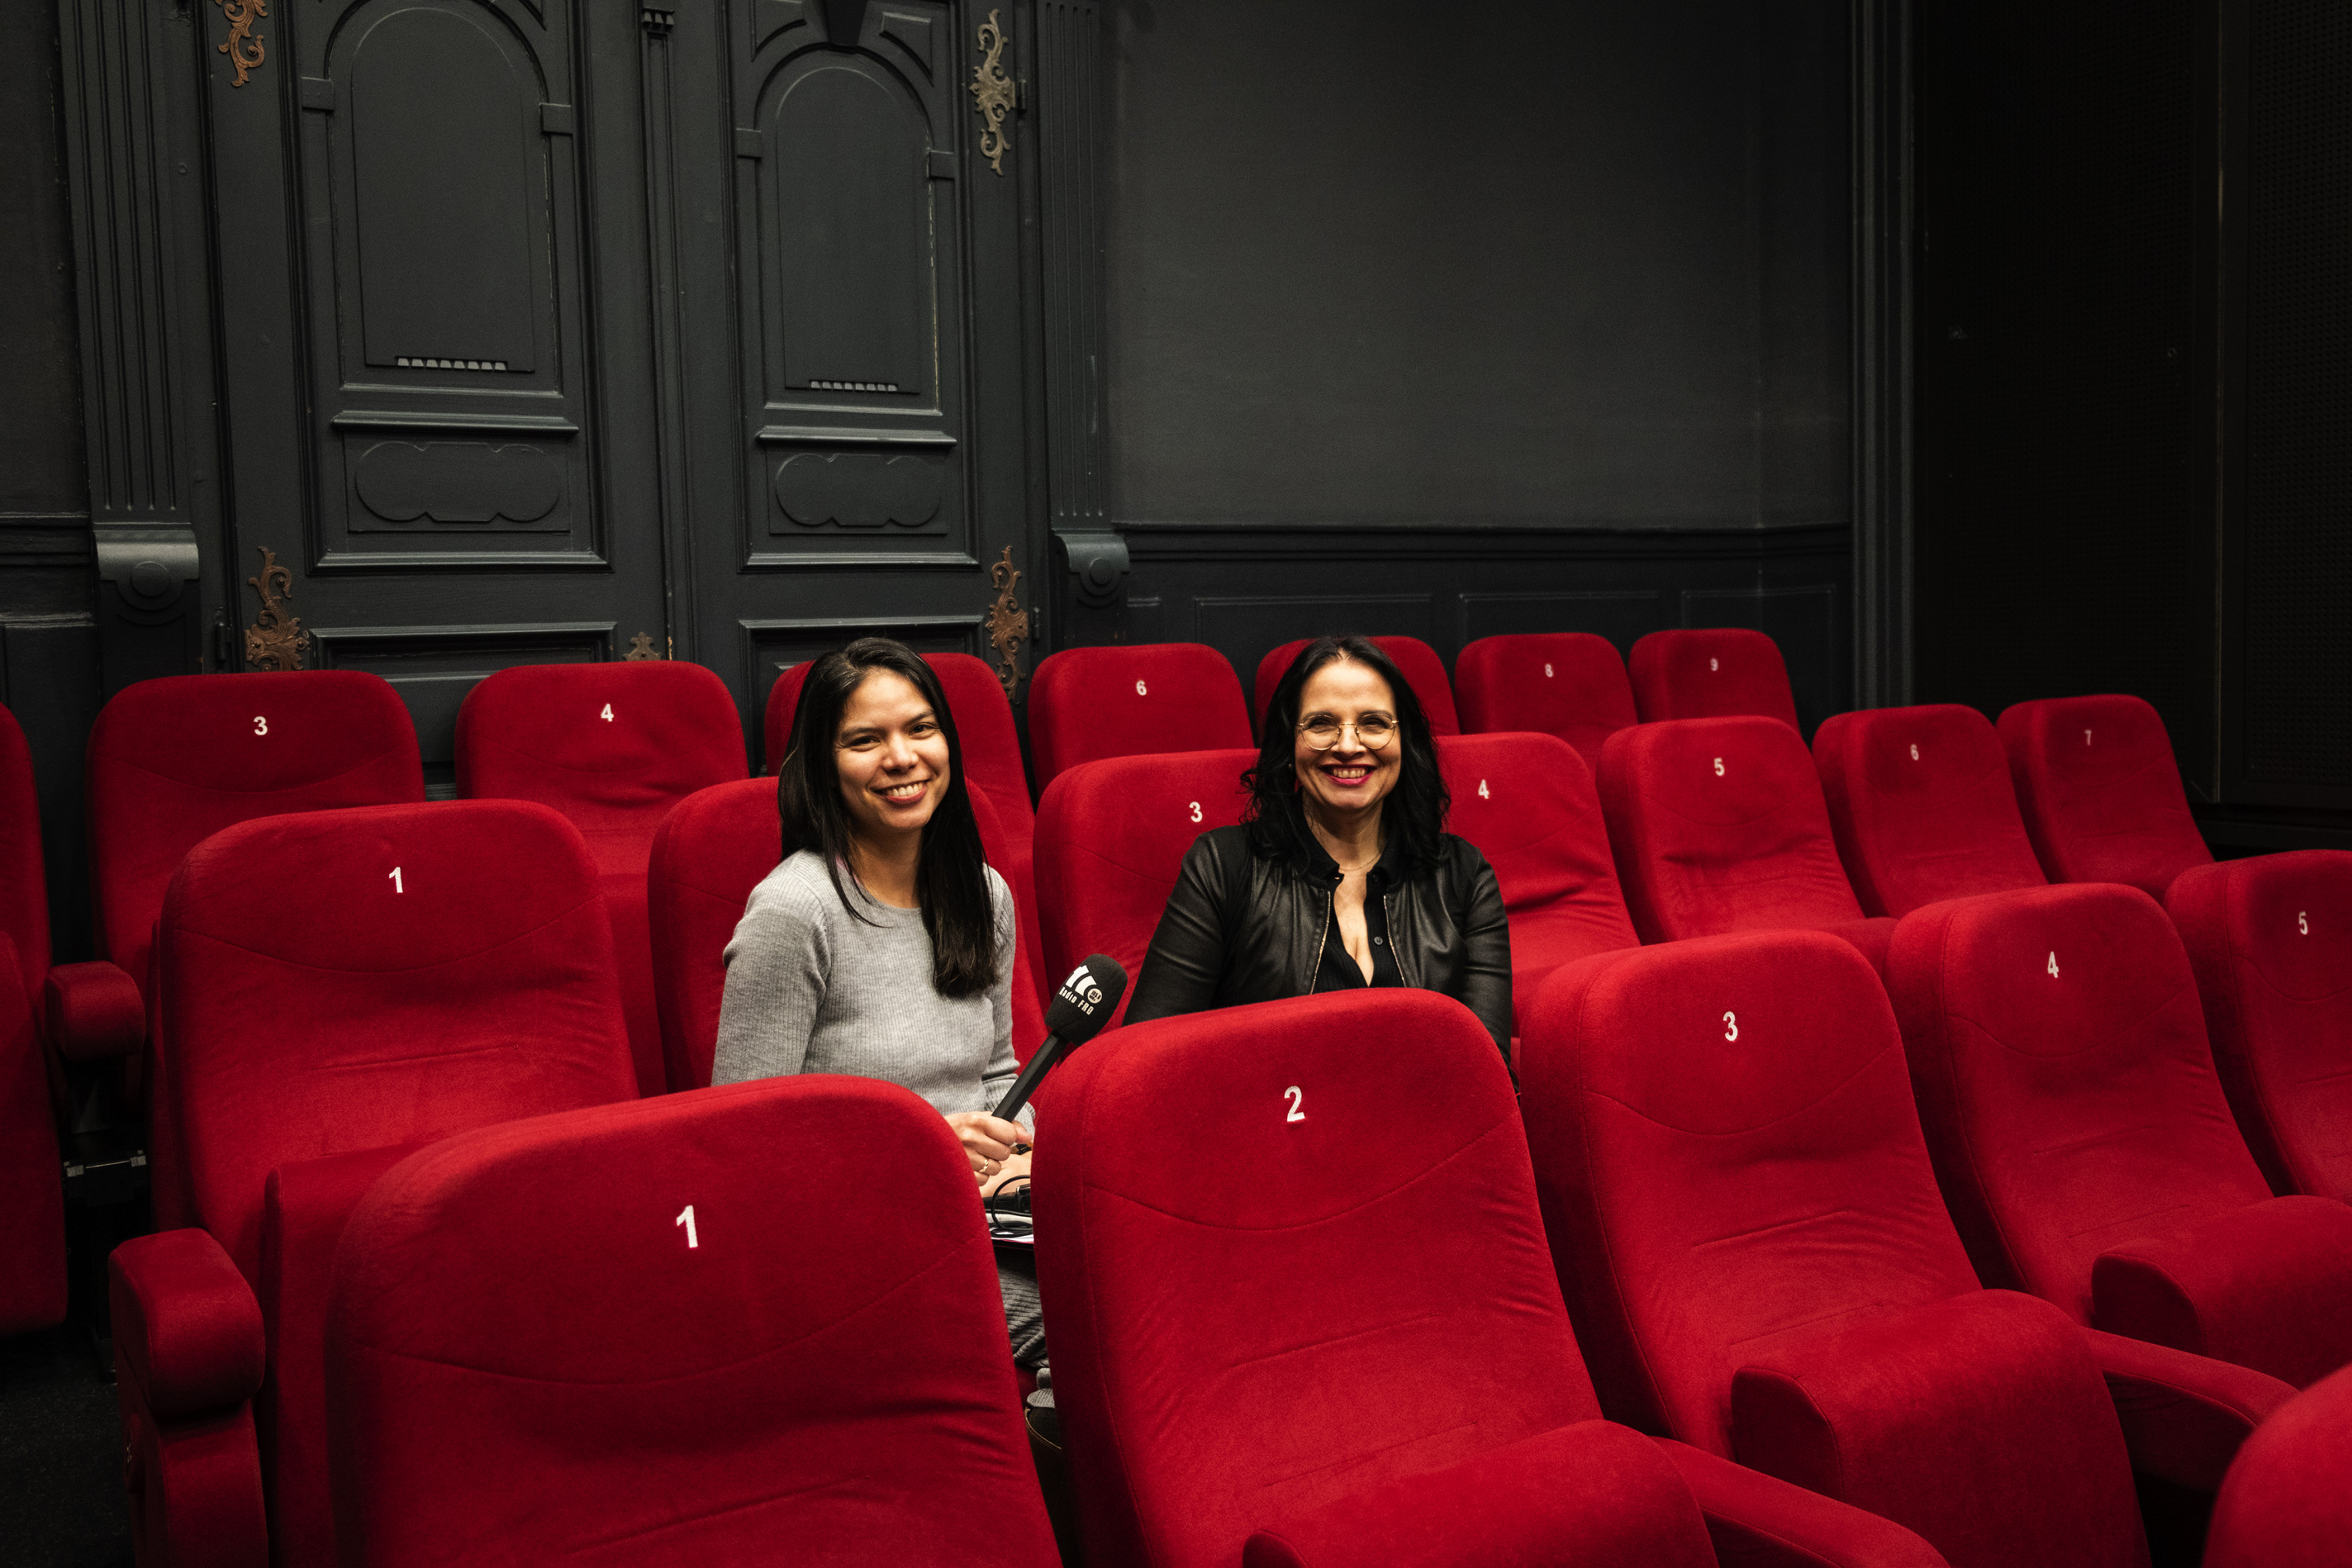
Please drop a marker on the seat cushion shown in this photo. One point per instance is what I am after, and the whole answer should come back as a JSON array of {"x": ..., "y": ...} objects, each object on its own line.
[
  {"x": 2268, "y": 1286},
  {"x": 1930, "y": 1416},
  {"x": 2286, "y": 1504},
  {"x": 1591, "y": 1492}
]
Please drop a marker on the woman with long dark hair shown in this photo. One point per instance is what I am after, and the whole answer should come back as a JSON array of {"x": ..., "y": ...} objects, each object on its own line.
[
  {"x": 882, "y": 945},
  {"x": 1341, "y": 874}
]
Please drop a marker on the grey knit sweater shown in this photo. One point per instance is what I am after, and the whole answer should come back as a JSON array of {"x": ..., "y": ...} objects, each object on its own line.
[{"x": 812, "y": 988}]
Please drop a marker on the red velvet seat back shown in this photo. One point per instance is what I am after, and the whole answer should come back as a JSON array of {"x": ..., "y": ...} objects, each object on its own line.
[
  {"x": 1921, "y": 804},
  {"x": 2269, "y": 939},
  {"x": 1529, "y": 804},
  {"x": 1710, "y": 672},
  {"x": 612, "y": 746},
  {"x": 321, "y": 1013},
  {"x": 710, "y": 853},
  {"x": 1240, "y": 1339},
  {"x": 2068, "y": 1111},
  {"x": 2284, "y": 1503},
  {"x": 1725, "y": 1138},
  {"x": 32, "y": 1200},
  {"x": 24, "y": 890},
  {"x": 1718, "y": 825},
  {"x": 1111, "y": 838},
  {"x": 650, "y": 1334},
  {"x": 1569, "y": 684},
  {"x": 1087, "y": 703},
  {"x": 2100, "y": 791},
  {"x": 983, "y": 719},
  {"x": 1415, "y": 660},
  {"x": 174, "y": 761}
]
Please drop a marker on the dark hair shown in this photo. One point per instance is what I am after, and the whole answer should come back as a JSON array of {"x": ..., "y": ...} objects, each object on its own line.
[
  {"x": 1414, "y": 818},
  {"x": 951, "y": 871}
]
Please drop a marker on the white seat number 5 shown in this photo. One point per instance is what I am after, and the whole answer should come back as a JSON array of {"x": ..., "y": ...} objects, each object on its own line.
[
  {"x": 1296, "y": 1114},
  {"x": 1719, "y": 767}
]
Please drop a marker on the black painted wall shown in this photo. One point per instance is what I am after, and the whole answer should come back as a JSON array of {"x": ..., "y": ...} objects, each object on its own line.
[
  {"x": 1454, "y": 321},
  {"x": 48, "y": 652}
]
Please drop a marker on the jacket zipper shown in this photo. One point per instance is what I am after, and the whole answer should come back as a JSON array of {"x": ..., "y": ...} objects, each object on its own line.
[{"x": 1315, "y": 970}]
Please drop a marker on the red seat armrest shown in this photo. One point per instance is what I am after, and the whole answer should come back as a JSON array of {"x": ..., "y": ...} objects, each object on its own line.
[
  {"x": 94, "y": 1011},
  {"x": 1757, "y": 1520},
  {"x": 187, "y": 1327},
  {"x": 2184, "y": 1416},
  {"x": 2263, "y": 1286}
]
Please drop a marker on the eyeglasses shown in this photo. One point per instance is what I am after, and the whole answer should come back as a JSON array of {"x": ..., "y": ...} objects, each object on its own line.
[{"x": 1322, "y": 731}]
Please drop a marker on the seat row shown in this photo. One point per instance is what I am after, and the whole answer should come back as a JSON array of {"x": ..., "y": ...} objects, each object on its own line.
[
  {"x": 449, "y": 1286},
  {"x": 1717, "y": 826}
]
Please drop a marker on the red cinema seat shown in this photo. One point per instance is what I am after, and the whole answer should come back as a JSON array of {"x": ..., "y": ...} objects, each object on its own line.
[
  {"x": 174, "y": 761},
  {"x": 711, "y": 851},
  {"x": 612, "y": 746},
  {"x": 1748, "y": 1233},
  {"x": 1920, "y": 802},
  {"x": 32, "y": 1196},
  {"x": 2083, "y": 1141},
  {"x": 1529, "y": 804},
  {"x": 1111, "y": 838},
  {"x": 2270, "y": 941},
  {"x": 2286, "y": 1504},
  {"x": 2100, "y": 792},
  {"x": 1087, "y": 703},
  {"x": 1296, "y": 1354},
  {"x": 1719, "y": 826},
  {"x": 1569, "y": 684},
  {"x": 339, "y": 988},
  {"x": 1710, "y": 672},
  {"x": 24, "y": 889},
  {"x": 651, "y": 1333},
  {"x": 1415, "y": 660}
]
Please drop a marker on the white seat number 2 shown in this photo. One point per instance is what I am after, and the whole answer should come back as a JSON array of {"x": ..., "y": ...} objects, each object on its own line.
[{"x": 1296, "y": 1114}]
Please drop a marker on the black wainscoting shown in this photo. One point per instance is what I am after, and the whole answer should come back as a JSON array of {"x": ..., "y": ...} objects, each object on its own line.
[{"x": 1246, "y": 590}]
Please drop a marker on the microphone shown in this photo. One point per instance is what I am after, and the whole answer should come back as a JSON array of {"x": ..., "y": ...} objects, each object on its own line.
[{"x": 1082, "y": 1005}]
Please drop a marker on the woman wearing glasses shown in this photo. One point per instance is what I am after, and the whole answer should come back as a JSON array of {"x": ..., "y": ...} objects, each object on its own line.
[{"x": 1341, "y": 874}]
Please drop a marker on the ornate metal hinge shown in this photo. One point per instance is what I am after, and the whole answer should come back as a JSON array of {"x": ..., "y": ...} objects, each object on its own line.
[
  {"x": 275, "y": 640},
  {"x": 1008, "y": 623},
  {"x": 244, "y": 47},
  {"x": 641, "y": 647},
  {"x": 994, "y": 93}
]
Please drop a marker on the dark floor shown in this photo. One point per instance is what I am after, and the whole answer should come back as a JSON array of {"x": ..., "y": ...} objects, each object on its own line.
[{"x": 60, "y": 1456}]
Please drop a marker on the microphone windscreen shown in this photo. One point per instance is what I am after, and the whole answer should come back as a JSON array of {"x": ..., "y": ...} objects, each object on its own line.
[{"x": 1084, "y": 1002}]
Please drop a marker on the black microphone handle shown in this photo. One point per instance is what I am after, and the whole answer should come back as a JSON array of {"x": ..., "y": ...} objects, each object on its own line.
[{"x": 1031, "y": 1076}]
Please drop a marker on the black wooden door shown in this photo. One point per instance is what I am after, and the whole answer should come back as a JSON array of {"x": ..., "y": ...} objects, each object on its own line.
[
  {"x": 850, "y": 324},
  {"x": 436, "y": 349}
]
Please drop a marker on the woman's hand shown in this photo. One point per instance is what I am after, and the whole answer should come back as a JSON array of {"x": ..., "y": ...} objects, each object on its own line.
[
  {"x": 1016, "y": 1169},
  {"x": 987, "y": 1141}
]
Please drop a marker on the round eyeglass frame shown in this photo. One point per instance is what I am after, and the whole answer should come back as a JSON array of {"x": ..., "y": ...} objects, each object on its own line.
[{"x": 1346, "y": 726}]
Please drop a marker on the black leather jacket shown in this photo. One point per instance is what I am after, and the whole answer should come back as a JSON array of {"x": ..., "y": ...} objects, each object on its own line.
[{"x": 1238, "y": 928}]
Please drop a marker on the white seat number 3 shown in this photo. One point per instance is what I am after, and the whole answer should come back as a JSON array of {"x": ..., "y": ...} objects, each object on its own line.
[
  {"x": 1730, "y": 1027},
  {"x": 1296, "y": 1114},
  {"x": 1196, "y": 811}
]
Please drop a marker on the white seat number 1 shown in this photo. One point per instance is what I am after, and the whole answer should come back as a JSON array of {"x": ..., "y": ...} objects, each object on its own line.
[
  {"x": 396, "y": 880},
  {"x": 1296, "y": 1114},
  {"x": 607, "y": 714},
  {"x": 685, "y": 1218}
]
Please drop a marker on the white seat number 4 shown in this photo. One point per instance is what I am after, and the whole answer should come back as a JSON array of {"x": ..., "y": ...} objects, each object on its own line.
[
  {"x": 607, "y": 714},
  {"x": 2053, "y": 966}
]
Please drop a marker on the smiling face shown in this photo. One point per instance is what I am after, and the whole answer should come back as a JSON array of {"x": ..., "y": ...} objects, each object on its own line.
[
  {"x": 1351, "y": 777},
  {"x": 892, "y": 756}
]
